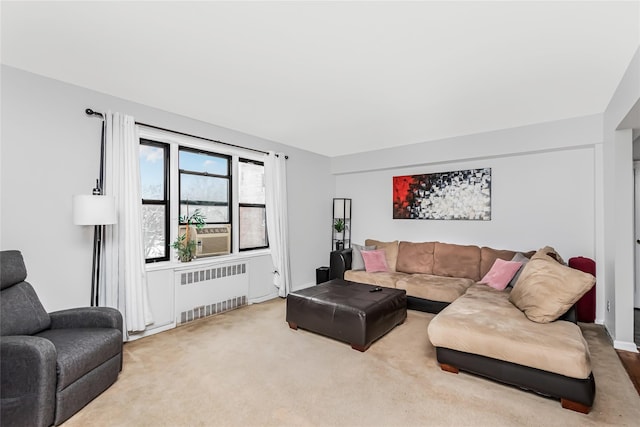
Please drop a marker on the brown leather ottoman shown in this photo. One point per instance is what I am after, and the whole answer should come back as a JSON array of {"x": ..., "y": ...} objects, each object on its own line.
[{"x": 347, "y": 311}]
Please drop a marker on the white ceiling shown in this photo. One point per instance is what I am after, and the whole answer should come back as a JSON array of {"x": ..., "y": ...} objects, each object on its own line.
[{"x": 336, "y": 77}]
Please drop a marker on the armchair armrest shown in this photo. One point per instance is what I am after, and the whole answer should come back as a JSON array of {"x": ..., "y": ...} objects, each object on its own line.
[
  {"x": 339, "y": 262},
  {"x": 86, "y": 317},
  {"x": 28, "y": 390}
]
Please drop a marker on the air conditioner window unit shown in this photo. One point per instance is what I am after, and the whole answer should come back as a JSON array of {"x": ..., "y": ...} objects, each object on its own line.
[{"x": 214, "y": 239}]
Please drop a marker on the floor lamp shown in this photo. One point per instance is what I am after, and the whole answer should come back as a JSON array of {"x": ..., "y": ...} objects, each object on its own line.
[{"x": 97, "y": 210}]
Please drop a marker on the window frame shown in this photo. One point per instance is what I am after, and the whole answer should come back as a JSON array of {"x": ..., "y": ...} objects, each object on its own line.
[
  {"x": 251, "y": 205},
  {"x": 177, "y": 141},
  {"x": 228, "y": 177},
  {"x": 166, "y": 148}
]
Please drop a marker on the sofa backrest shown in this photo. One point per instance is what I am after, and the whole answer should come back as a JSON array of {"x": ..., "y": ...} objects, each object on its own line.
[
  {"x": 22, "y": 311},
  {"x": 452, "y": 260},
  {"x": 415, "y": 257},
  {"x": 443, "y": 259}
]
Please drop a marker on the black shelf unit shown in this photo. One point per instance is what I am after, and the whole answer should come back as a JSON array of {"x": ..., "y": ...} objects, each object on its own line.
[{"x": 341, "y": 213}]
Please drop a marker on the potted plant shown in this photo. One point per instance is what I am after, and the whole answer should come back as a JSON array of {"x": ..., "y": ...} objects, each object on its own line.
[
  {"x": 185, "y": 244},
  {"x": 339, "y": 226}
]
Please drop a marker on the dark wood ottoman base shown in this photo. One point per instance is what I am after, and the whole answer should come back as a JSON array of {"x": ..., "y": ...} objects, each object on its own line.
[{"x": 347, "y": 311}]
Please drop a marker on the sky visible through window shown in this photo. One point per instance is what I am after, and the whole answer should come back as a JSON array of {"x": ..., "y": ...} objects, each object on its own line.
[
  {"x": 152, "y": 172},
  {"x": 198, "y": 162}
]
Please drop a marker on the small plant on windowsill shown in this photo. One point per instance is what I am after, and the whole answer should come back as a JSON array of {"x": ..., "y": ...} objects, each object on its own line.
[
  {"x": 339, "y": 226},
  {"x": 185, "y": 244}
]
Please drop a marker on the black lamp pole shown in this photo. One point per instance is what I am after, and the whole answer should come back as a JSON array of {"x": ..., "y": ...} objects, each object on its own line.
[{"x": 98, "y": 231}]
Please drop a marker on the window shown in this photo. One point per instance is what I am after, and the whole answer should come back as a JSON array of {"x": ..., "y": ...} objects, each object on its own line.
[
  {"x": 154, "y": 183},
  {"x": 205, "y": 184},
  {"x": 178, "y": 173},
  {"x": 252, "y": 209}
]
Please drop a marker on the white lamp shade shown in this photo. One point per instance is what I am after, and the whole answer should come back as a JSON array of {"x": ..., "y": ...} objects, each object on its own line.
[{"x": 94, "y": 209}]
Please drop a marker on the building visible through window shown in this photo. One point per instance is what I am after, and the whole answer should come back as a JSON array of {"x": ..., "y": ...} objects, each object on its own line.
[
  {"x": 205, "y": 185},
  {"x": 154, "y": 184},
  {"x": 253, "y": 227}
]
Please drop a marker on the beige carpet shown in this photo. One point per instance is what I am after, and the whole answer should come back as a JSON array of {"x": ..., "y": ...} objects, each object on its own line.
[{"x": 247, "y": 368}]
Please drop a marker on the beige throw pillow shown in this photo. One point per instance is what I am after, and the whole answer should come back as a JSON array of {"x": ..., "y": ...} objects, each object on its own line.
[
  {"x": 390, "y": 249},
  {"x": 546, "y": 289}
]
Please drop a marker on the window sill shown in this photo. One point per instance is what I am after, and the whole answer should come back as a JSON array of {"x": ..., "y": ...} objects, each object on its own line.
[{"x": 220, "y": 259}]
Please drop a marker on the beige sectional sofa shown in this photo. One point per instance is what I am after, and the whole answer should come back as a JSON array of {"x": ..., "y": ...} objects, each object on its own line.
[
  {"x": 434, "y": 274},
  {"x": 525, "y": 336}
]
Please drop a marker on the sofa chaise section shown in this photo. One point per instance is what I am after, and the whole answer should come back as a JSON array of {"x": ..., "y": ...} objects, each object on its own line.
[{"x": 482, "y": 332}]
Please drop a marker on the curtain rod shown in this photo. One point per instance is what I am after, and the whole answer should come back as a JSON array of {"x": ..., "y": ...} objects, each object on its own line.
[{"x": 90, "y": 112}]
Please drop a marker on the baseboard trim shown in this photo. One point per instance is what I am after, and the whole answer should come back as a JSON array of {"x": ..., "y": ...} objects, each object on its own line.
[
  {"x": 263, "y": 298},
  {"x": 626, "y": 346},
  {"x": 151, "y": 331}
]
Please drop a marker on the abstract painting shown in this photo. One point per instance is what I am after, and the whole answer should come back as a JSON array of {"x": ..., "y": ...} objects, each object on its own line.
[{"x": 464, "y": 194}]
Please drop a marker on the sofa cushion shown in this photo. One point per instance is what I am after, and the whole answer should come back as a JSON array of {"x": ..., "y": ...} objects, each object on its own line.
[
  {"x": 375, "y": 261},
  {"x": 415, "y": 257},
  {"x": 434, "y": 288},
  {"x": 548, "y": 253},
  {"x": 484, "y": 322},
  {"x": 546, "y": 289},
  {"x": 22, "y": 311},
  {"x": 357, "y": 263},
  {"x": 451, "y": 260},
  {"x": 387, "y": 279},
  {"x": 390, "y": 249},
  {"x": 501, "y": 273},
  {"x": 488, "y": 257}
]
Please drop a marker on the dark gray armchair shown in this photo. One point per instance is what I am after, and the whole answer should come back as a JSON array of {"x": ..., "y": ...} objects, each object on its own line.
[{"x": 52, "y": 364}]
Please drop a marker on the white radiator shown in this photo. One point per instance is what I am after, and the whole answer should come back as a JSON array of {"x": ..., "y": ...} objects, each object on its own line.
[{"x": 210, "y": 289}]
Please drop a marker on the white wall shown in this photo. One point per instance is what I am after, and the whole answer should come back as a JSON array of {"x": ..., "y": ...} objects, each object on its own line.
[
  {"x": 618, "y": 246},
  {"x": 541, "y": 197},
  {"x": 577, "y": 132},
  {"x": 538, "y": 199},
  {"x": 50, "y": 151}
]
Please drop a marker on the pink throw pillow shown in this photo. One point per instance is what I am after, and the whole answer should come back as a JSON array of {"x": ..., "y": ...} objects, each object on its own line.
[
  {"x": 375, "y": 261},
  {"x": 501, "y": 273}
]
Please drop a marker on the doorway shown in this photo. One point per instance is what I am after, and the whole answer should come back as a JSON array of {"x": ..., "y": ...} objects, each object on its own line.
[
  {"x": 636, "y": 297},
  {"x": 636, "y": 326},
  {"x": 636, "y": 175}
]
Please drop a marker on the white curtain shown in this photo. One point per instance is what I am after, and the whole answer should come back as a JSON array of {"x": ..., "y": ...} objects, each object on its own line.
[
  {"x": 123, "y": 282},
  {"x": 277, "y": 222}
]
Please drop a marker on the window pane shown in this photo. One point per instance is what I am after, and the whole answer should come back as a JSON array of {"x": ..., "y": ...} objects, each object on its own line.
[
  {"x": 152, "y": 172},
  {"x": 199, "y": 162},
  {"x": 210, "y": 213},
  {"x": 251, "y": 183},
  {"x": 153, "y": 229},
  {"x": 204, "y": 188},
  {"x": 253, "y": 230}
]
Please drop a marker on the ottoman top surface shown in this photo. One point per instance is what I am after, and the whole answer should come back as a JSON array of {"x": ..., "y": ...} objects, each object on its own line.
[{"x": 346, "y": 293}]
